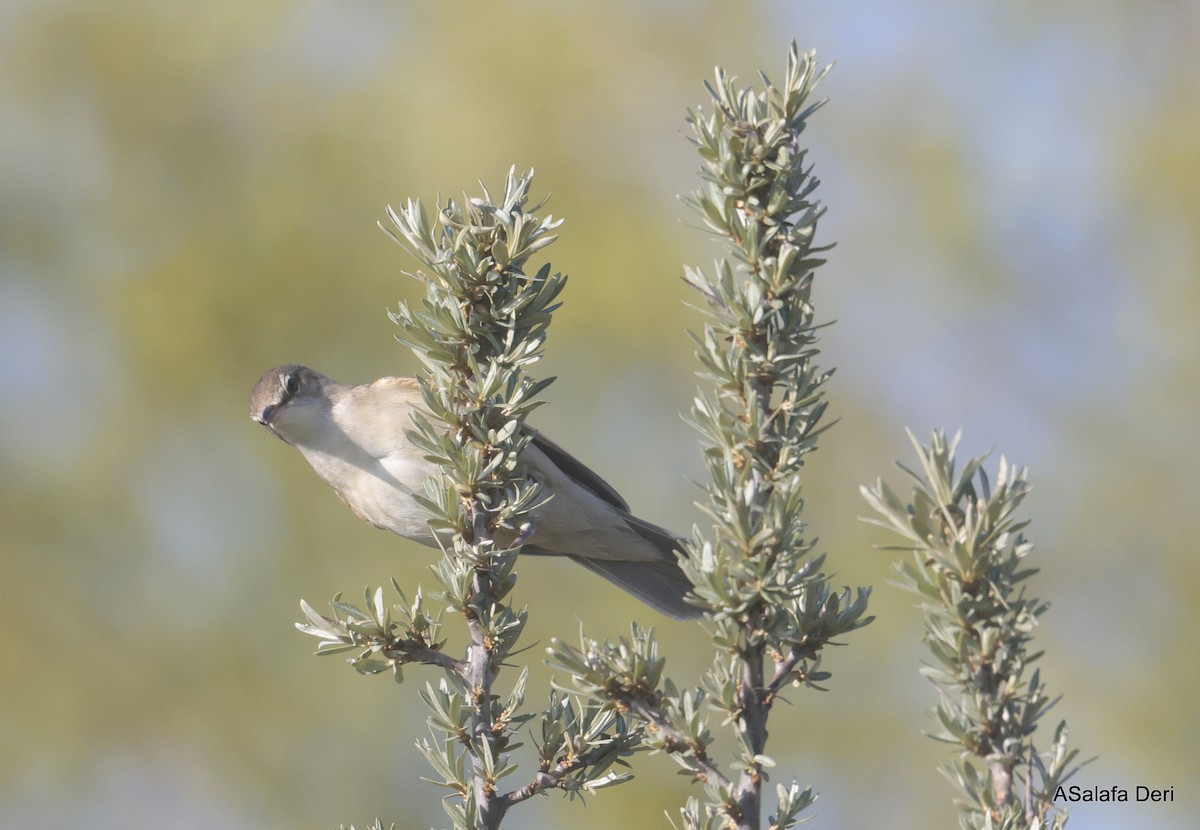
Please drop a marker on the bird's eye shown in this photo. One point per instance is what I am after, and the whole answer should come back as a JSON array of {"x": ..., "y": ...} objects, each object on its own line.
[{"x": 290, "y": 383}]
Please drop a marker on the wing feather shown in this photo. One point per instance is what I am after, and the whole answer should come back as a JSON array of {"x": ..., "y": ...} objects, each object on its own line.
[{"x": 578, "y": 471}]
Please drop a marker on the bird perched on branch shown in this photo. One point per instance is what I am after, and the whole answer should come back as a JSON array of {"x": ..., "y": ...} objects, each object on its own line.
[{"x": 354, "y": 437}]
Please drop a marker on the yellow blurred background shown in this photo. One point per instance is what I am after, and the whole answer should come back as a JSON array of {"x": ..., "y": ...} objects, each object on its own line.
[{"x": 189, "y": 194}]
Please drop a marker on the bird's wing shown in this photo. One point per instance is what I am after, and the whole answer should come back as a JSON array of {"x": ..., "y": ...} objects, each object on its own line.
[
  {"x": 382, "y": 416},
  {"x": 582, "y": 475},
  {"x": 407, "y": 389}
]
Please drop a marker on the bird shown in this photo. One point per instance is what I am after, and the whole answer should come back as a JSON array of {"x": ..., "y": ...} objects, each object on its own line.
[{"x": 355, "y": 438}]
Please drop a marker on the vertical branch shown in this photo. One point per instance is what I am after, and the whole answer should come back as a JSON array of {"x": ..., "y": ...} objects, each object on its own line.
[
  {"x": 765, "y": 593},
  {"x": 969, "y": 564},
  {"x": 482, "y": 322},
  {"x": 480, "y": 676},
  {"x": 753, "y": 705},
  {"x": 762, "y": 590}
]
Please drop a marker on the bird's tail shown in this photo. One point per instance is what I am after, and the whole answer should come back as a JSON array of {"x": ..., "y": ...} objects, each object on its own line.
[{"x": 661, "y": 584}]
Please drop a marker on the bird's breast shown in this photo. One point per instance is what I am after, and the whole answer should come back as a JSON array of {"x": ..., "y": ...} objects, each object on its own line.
[{"x": 380, "y": 493}]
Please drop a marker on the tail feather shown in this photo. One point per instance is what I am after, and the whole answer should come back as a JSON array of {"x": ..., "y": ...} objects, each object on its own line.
[{"x": 661, "y": 584}]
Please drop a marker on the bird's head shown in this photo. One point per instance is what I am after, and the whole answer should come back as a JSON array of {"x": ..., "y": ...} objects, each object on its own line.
[{"x": 292, "y": 402}]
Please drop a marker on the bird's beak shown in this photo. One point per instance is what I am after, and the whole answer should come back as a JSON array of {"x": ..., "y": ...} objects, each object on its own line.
[{"x": 266, "y": 417}]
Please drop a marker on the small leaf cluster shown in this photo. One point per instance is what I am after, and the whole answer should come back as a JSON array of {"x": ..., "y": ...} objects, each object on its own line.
[
  {"x": 628, "y": 677},
  {"x": 579, "y": 743},
  {"x": 790, "y": 802},
  {"x": 969, "y": 565},
  {"x": 385, "y": 637}
]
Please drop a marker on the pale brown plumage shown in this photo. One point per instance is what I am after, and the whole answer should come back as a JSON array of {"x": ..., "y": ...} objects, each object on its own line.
[{"x": 354, "y": 438}]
